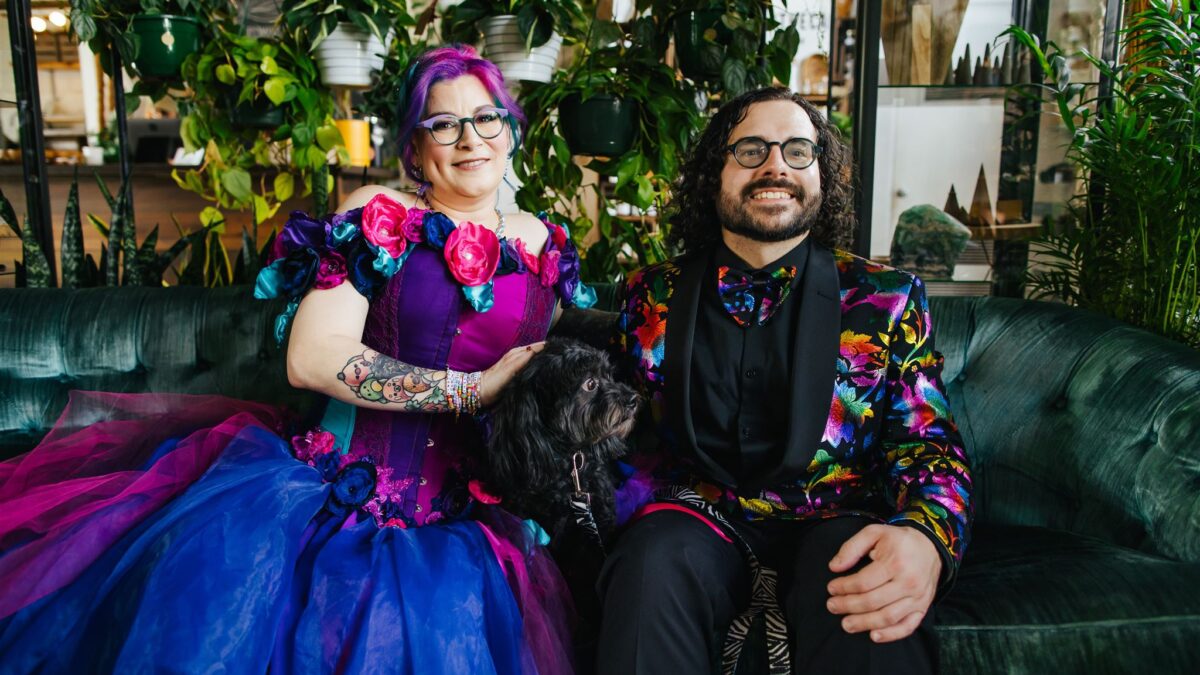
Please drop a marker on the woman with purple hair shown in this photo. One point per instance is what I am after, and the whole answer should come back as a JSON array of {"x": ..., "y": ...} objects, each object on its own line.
[{"x": 214, "y": 541}]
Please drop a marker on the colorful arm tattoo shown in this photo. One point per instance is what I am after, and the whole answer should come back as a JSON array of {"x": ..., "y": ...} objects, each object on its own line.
[{"x": 378, "y": 378}]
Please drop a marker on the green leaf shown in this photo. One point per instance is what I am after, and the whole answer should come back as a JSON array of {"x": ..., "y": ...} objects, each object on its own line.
[
  {"x": 225, "y": 74},
  {"x": 263, "y": 210},
  {"x": 269, "y": 66},
  {"x": 645, "y": 192},
  {"x": 329, "y": 137},
  {"x": 236, "y": 181},
  {"x": 733, "y": 77},
  {"x": 285, "y": 186},
  {"x": 37, "y": 269},
  {"x": 212, "y": 218},
  {"x": 72, "y": 239},
  {"x": 302, "y": 134},
  {"x": 276, "y": 89}
]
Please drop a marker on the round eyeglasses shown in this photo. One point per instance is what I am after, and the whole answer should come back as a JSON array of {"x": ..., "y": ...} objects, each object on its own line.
[
  {"x": 752, "y": 152},
  {"x": 448, "y": 129}
]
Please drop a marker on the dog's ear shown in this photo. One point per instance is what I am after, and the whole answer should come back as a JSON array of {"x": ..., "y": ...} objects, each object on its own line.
[{"x": 519, "y": 452}]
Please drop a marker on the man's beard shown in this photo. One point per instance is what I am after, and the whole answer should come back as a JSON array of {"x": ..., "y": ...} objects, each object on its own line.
[{"x": 739, "y": 220}]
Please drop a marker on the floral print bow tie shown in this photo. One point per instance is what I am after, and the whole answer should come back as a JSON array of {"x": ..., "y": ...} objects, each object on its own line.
[{"x": 751, "y": 299}]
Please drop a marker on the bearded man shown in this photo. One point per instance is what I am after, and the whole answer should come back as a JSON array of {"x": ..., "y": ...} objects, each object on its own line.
[{"x": 808, "y": 478}]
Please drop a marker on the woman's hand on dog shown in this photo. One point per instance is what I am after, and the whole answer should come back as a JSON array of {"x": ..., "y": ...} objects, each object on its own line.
[{"x": 496, "y": 378}]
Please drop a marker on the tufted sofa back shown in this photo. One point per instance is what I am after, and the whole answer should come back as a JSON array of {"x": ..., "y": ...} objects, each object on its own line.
[
  {"x": 1072, "y": 421},
  {"x": 182, "y": 340}
]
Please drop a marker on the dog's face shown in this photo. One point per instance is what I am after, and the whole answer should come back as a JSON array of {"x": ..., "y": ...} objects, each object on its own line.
[
  {"x": 564, "y": 401},
  {"x": 576, "y": 396}
]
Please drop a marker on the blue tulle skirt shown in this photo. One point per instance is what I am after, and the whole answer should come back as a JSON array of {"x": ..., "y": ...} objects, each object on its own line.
[{"x": 252, "y": 568}]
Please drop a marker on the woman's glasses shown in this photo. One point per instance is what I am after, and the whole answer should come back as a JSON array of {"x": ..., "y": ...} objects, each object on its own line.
[{"x": 448, "y": 129}]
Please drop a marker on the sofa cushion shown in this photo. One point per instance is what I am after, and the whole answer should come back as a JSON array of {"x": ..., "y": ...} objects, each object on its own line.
[{"x": 1036, "y": 600}]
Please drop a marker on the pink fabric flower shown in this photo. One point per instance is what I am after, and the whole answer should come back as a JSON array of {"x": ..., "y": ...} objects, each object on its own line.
[
  {"x": 558, "y": 234},
  {"x": 383, "y": 224},
  {"x": 332, "y": 271},
  {"x": 413, "y": 225},
  {"x": 472, "y": 253},
  {"x": 312, "y": 445},
  {"x": 481, "y": 495},
  {"x": 530, "y": 260},
  {"x": 549, "y": 271}
]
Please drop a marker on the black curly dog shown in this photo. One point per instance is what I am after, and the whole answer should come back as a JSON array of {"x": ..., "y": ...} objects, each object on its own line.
[{"x": 563, "y": 403}]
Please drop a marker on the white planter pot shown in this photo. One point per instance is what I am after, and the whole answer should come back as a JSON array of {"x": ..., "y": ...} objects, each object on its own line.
[
  {"x": 502, "y": 45},
  {"x": 347, "y": 57}
]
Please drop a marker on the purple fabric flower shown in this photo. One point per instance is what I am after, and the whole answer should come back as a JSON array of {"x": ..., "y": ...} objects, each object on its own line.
[
  {"x": 568, "y": 272},
  {"x": 300, "y": 231},
  {"x": 437, "y": 228},
  {"x": 332, "y": 270}
]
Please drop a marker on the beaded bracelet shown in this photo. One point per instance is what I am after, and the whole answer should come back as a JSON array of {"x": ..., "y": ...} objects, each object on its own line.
[{"x": 462, "y": 391}]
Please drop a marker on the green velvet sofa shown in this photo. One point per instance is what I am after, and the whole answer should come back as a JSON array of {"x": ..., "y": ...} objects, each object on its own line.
[{"x": 1084, "y": 435}]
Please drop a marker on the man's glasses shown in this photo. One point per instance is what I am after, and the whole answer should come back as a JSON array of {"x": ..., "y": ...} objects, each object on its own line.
[
  {"x": 448, "y": 129},
  {"x": 752, "y": 152}
]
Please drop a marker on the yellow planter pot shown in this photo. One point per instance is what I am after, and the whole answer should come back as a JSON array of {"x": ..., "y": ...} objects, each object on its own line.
[{"x": 357, "y": 135}]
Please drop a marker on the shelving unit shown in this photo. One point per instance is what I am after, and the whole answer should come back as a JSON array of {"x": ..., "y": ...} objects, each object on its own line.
[{"x": 984, "y": 147}]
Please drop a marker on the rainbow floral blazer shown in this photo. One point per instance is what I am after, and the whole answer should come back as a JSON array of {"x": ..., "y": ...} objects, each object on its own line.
[{"x": 887, "y": 447}]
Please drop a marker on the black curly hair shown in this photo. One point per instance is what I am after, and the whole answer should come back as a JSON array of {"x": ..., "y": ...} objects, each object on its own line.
[{"x": 693, "y": 212}]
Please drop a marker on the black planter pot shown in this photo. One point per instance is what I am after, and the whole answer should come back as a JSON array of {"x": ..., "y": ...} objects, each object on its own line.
[
  {"x": 601, "y": 125},
  {"x": 689, "y": 31},
  {"x": 258, "y": 114}
]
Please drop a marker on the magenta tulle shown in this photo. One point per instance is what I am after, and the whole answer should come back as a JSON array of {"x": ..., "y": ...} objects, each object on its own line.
[
  {"x": 541, "y": 592},
  {"x": 91, "y": 480}
]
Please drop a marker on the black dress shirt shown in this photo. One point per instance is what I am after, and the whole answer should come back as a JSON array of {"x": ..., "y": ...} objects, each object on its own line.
[{"x": 741, "y": 375}]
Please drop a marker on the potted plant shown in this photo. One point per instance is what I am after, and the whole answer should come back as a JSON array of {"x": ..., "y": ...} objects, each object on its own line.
[
  {"x": 622, "y": 65},
  {"x": 349, "y": 37},
  {"x": 152, "y": 37},
  {"x": 724, "y": 44},
  {"x": 265, "y": 122},
  {"x": 1131, "y": 252},
  {"x": 522, "y": 37}
]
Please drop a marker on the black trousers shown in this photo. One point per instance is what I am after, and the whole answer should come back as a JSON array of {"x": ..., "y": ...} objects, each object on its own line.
[{"x": 671, "y": 587}]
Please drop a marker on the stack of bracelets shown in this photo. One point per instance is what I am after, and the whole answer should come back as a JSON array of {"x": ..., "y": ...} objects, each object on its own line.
[{"x": 462, "y": 391}]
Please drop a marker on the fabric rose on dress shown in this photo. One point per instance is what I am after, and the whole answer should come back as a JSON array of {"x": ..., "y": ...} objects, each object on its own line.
[
  {"x": 437, "y": 228},
  {"x": 472, "y": 253},
  {"x": 383, "y": 224},
  {"x": 312, "y": 444},
  {"x": 300, "y": 231},
  {"x": 510, "y": 260},
  {"x": 558, "y": 234},
  {"x": 360, "y": 269},
  {"x": 568, "y": 272},
  {"x": 530, "y": 260},
  {"x": 332, "y": 270},
  {"x": 549, "y": 262},
  {"x": 414, "y": 226},
  {"x": 297, "y": 271},
  {"x": 354, "y": 485}
]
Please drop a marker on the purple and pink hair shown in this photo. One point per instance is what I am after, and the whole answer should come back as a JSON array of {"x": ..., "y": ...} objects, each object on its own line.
[{"x": 448, "y": 63}]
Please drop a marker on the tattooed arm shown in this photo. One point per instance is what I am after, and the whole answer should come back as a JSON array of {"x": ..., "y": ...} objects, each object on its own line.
[{"x": 326, "y": 354}]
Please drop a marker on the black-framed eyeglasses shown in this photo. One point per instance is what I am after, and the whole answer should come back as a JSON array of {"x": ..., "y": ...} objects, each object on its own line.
[
  {"x": 448, "y": 129},
  {"x": 752, "y": 152}
]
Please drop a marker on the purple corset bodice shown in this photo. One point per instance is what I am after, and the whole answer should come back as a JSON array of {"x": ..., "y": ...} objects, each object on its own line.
[{"x": 422, "y": 318}]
